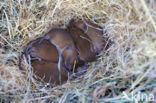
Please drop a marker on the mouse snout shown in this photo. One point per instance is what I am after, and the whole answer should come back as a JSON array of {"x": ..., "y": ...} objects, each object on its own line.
[
  {"x": 70, "y": 57},
  {"x": 69, "y": 67},
  {"x": 70, "y": 63}
]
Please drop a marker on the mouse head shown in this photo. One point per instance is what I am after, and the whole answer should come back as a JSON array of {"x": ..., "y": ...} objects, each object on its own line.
[
  {"x": 79, "y": 24},
  {"x": 70, "y": 57}
]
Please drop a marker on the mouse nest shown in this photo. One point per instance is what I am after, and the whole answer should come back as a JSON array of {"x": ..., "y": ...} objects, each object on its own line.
[{"x": 127, "y": 68}]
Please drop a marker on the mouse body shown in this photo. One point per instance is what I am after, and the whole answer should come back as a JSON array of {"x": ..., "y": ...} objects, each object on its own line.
[
  {"x": 43, "y": 50},
  {"x": 49, "y": 72},
  {"x": 83, "y": 44},
  {"x": 65, "y": 46},
  {"x": 94, "y": 32}
]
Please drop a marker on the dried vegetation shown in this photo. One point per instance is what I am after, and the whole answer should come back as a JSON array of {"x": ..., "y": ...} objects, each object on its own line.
[{"x": 128, "y": 67}]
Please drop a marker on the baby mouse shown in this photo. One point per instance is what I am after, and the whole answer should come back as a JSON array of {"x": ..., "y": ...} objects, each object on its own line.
[
  {"x": 49, "y": 72},
  {"x": 65, "y": 46},
  {"x": 94, "y": 32},
  {"x": 43, "y": 50},
  {"x": 83, "y": 44},
  {"x": 40, "y": 50}
]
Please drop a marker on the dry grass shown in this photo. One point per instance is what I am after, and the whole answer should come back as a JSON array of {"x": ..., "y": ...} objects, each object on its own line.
[{"x": 129, "y": 68}]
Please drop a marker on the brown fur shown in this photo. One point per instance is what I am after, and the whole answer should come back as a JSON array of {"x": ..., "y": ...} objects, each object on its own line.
[
  {"x": 48, "y": 72},
  {"x": 44, "y": 50},
  {"x": 83, "y": 44},
  {"x": 93, "y": 31},
  {"x": 65, "y": 46}
]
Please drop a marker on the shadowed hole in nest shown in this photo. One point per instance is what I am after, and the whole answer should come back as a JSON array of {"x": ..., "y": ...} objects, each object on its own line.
[{"x": 91, "y": 45}]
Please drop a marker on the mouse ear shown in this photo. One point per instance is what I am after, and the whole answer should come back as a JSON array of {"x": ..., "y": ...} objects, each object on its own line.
[
  {"x": 71, "y": 23},
  {"x": 84, "y": 25}
]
